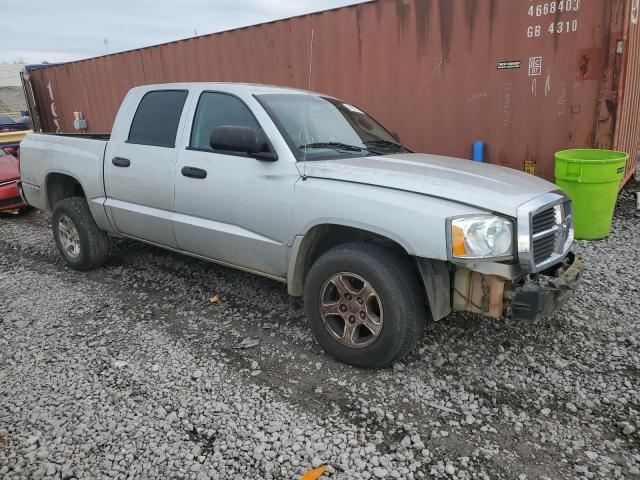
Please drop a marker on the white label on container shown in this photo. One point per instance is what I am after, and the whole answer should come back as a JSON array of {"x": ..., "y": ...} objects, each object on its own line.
[
  {"x": 635, "y": 11},
  {"x": 509, "y": 65},
  {"x": 535, "y": 66}
]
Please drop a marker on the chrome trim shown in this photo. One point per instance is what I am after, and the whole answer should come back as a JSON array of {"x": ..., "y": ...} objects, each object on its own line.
[
  {"x": 8, "y": 182},
  {"x": 546, "y": 233},
  {"x": 526, "y": 212}
]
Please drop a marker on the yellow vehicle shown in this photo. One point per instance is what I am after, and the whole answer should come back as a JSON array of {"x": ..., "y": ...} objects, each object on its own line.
[{"x": 13, "y": 137}]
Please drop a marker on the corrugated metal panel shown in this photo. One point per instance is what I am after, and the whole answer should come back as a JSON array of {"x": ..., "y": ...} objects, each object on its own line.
[
  {"x": 29, "y": 96},
  {"x": 627, "y": 136},
  {"x": 525, "y": 76}
]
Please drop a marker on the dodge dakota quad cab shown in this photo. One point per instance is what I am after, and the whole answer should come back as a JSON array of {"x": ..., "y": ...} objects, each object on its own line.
[{"x": 310, "y": 191}]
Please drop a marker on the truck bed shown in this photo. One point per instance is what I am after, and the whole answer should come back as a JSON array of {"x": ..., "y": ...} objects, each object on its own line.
[{"x": 79, "y": 156}]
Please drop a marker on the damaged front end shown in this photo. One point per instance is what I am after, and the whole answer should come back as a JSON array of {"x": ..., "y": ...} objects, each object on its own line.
[
  {"x": 541, "y": 294},
  {"x": 530, "y": 297}
]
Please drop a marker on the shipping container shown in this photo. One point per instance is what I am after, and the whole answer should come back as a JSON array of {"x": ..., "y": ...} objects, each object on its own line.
[{"x": 527, "y": 77}]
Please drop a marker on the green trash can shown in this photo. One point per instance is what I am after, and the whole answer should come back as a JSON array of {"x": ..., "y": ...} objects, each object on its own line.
[{"x": 592, "y": 179}]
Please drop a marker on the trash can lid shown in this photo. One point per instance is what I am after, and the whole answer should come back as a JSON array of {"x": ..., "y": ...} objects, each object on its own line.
[{"x": 592, "y": 156}]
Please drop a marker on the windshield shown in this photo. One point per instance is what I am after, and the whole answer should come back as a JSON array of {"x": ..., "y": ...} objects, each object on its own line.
[
  {"x": 321, "y": 128},
  {"x": 4, "y": 120}
]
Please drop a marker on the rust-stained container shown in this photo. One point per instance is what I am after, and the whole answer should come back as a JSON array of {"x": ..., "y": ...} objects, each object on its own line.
[
  {"x": 627, "y": 132},
  {"x": 528, "y": 77}
]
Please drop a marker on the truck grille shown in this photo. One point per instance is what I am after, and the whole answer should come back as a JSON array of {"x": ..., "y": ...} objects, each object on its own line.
[
  {"x": 543, "y": 248},
  {"x": 551, "y": 229},
  {"x": 544, "y": 221},
  {"x": 545, "y": 231}
]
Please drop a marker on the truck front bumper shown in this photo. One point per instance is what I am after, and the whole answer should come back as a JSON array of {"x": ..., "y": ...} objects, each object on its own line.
[
  {"x": 542, "y": 294},
  {"x": 521, "y": 297}
]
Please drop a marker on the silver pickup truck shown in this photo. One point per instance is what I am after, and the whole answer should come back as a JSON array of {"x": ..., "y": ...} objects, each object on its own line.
[{"x": 310, "y": 191}]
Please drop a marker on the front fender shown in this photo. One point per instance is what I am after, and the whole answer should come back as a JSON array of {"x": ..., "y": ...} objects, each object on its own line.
[{"x": 415, "y": 221}]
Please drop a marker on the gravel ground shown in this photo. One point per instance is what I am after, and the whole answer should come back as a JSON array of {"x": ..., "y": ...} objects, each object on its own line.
[{"x": 131, "y": 372}]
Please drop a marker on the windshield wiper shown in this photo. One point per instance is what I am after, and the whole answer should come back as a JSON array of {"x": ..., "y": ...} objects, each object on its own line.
[
  {"x": 339, "y": 146},
  {"x": 385, "y": 143},
  {"x": 333, "y": 145}
]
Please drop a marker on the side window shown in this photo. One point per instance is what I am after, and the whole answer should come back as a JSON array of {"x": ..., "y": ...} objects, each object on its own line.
[
  {"x": 157, "y": 118},
  {"x": 215, "y": 110}
]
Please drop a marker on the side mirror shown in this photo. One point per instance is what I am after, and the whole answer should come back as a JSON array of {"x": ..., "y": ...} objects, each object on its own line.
[{"x": 231, "y": 138}]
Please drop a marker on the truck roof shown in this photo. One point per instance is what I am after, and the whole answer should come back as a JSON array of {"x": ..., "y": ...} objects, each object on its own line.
[{"x": 230, "y": 87}]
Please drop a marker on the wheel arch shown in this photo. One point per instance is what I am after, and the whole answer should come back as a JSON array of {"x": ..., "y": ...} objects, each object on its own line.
[
  {"x": 59, "y": 186},
  {"x": 306, "y": 249}
]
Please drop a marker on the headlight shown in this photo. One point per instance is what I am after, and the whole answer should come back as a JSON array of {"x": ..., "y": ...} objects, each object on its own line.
[{"x": 482, "y": 236}]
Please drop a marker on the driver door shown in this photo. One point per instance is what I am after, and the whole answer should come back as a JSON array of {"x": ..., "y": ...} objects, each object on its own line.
[{"x": 231, "y": 208}]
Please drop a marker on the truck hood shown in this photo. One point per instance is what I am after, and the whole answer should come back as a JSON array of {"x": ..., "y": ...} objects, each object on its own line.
[{"x": 489, "y": 187}]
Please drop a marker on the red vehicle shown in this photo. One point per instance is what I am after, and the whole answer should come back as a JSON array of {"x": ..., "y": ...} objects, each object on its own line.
[{"x": 9, "y": 176}]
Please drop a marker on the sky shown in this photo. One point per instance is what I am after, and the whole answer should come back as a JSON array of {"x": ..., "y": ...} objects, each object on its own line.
[{"x": 35, "y": 31}]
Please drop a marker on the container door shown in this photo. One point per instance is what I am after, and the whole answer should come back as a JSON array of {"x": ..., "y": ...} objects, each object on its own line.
[
  {"x": 140, "y": 170},
  {"x": 627, "y": 136},
  {"x": 30, "y": 98}
]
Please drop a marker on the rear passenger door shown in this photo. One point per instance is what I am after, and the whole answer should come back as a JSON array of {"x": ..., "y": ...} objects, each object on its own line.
[{"x": 140, "y": 166}]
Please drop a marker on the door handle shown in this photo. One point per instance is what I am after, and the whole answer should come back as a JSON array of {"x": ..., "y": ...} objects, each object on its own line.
[
  {"x": 193, "y": 172},
  {"x": 121, "y": 162}
]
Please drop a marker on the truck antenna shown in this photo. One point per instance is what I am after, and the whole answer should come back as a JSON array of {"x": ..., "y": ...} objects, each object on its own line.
[{"x": 306, "y": 116}]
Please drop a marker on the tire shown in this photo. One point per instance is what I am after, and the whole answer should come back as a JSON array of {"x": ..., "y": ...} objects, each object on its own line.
[
  {"x": 90, "y": 249},
  {"x": 401, "y": 303}
]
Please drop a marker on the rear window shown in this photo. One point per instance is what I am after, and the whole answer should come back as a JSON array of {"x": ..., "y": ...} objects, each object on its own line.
[{"x": 157, "y": 118}]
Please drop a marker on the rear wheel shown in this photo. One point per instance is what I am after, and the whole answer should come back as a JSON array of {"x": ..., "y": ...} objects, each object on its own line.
[
  {"x": 364, "y": 305},
  {"x": 82, "y": 244}
]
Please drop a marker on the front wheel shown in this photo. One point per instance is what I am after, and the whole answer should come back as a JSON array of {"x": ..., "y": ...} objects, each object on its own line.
[
  {"x": 82, "y": 244},
  {"x": 364, "y": 305}
]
